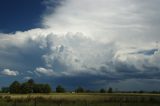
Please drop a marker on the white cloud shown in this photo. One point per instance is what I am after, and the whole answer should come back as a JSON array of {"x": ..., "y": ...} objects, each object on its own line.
[
  {"x": 70, "y": 54},
  {"x": 44, "y": 71},
  {"x": 140, "y": 60},
  {"x": 9, "y": 72},
  {"x": 77, "y": 52},
  {"x": 127, "y": 22}
]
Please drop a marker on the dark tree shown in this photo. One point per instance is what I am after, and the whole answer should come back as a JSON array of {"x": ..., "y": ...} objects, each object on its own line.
[
  {"x": 42, "y": 88},
  {"x": 38, "y": 88},
  {"x": 89, "y": 91},
  {"x": 60, "y": 89},
  {"x": 141, "y": 91},
  {"x": 102, "y": 90},
  {"x": 31, "y": 81},
  {"x": 79, "y": 90},
  {"x": 110, "y": 90},
  {"x": 29, "y": 87},
  {"x": 5, "y": 89},
  {"x": 47, "y": 88},
  {"x": 25, "y": 88},
  {"x": 30, "y": 84},
  {"x": 15, "y": 87}
]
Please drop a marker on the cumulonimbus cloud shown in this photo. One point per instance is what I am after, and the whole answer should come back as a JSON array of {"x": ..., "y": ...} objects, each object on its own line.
[{"x": 97, "y": 40}]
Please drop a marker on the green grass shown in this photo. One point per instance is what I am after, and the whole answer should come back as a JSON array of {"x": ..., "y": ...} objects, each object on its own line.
[{"x": 82, "y": 99}]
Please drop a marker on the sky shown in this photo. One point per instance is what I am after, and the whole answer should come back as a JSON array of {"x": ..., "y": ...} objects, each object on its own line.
[{"x": 90, "y": 43}]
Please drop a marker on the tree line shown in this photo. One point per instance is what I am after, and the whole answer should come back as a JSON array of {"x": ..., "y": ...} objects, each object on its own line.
[
  {"x": 27, "y": 87},
  {"x": 31, "y": 87}
]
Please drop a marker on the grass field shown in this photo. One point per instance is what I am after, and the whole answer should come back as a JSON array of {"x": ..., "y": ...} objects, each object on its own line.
[{"x": 82, "y": 99}]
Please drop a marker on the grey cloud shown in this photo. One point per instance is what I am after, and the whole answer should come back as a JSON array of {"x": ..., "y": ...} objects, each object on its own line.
[
  {"x": 69, "y": 58},
  {"x": 137, "y": 84},
  {"x": 71, "y": 52},
  {"x": 146, "y": 52}
]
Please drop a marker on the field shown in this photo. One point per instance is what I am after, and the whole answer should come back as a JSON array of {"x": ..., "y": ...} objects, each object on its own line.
[{"x": 82, "y": 99}]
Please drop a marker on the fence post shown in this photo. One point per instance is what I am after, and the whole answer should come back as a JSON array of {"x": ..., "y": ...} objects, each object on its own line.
[
  {"x": 15, "y": 103},
  {"x": 60, "y": 104},
  {"x": 120, "y": 104},
  {"x": 35, "y": 102},
  {"x": 86, "y": 103}
]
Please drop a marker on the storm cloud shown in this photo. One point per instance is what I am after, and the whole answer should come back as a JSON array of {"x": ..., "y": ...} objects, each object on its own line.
[{"x": 91, "y": 43}]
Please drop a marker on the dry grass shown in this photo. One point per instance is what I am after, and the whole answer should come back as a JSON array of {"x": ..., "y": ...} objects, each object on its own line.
[
  {"x": 83, "y": 99},
  {"x": 90, "y": 97}
]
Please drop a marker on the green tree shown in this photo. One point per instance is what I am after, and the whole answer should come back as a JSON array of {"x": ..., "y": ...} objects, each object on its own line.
[
  {"x": 38, "y": 88},
  {"x": 89, "y": 91},
  {"x": 110, "y": 90},
  {"x": 79, "y": 90},
  {"x": 25, "y": 88},
  {"x": 5, "y": 89},
  {"x": 60, "y": 89},
  {"x": 35, "y": 88},
  {"x": 29, "y": 87},
  {"x": 47, "y": 88},
  {"x": 141, "y": 91},
  {"x": 102, "y": 90},
  {"x": 15, "y": 87},
  {"x": 30, "y": 83},
  {"x": 42, "y": 88}
]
